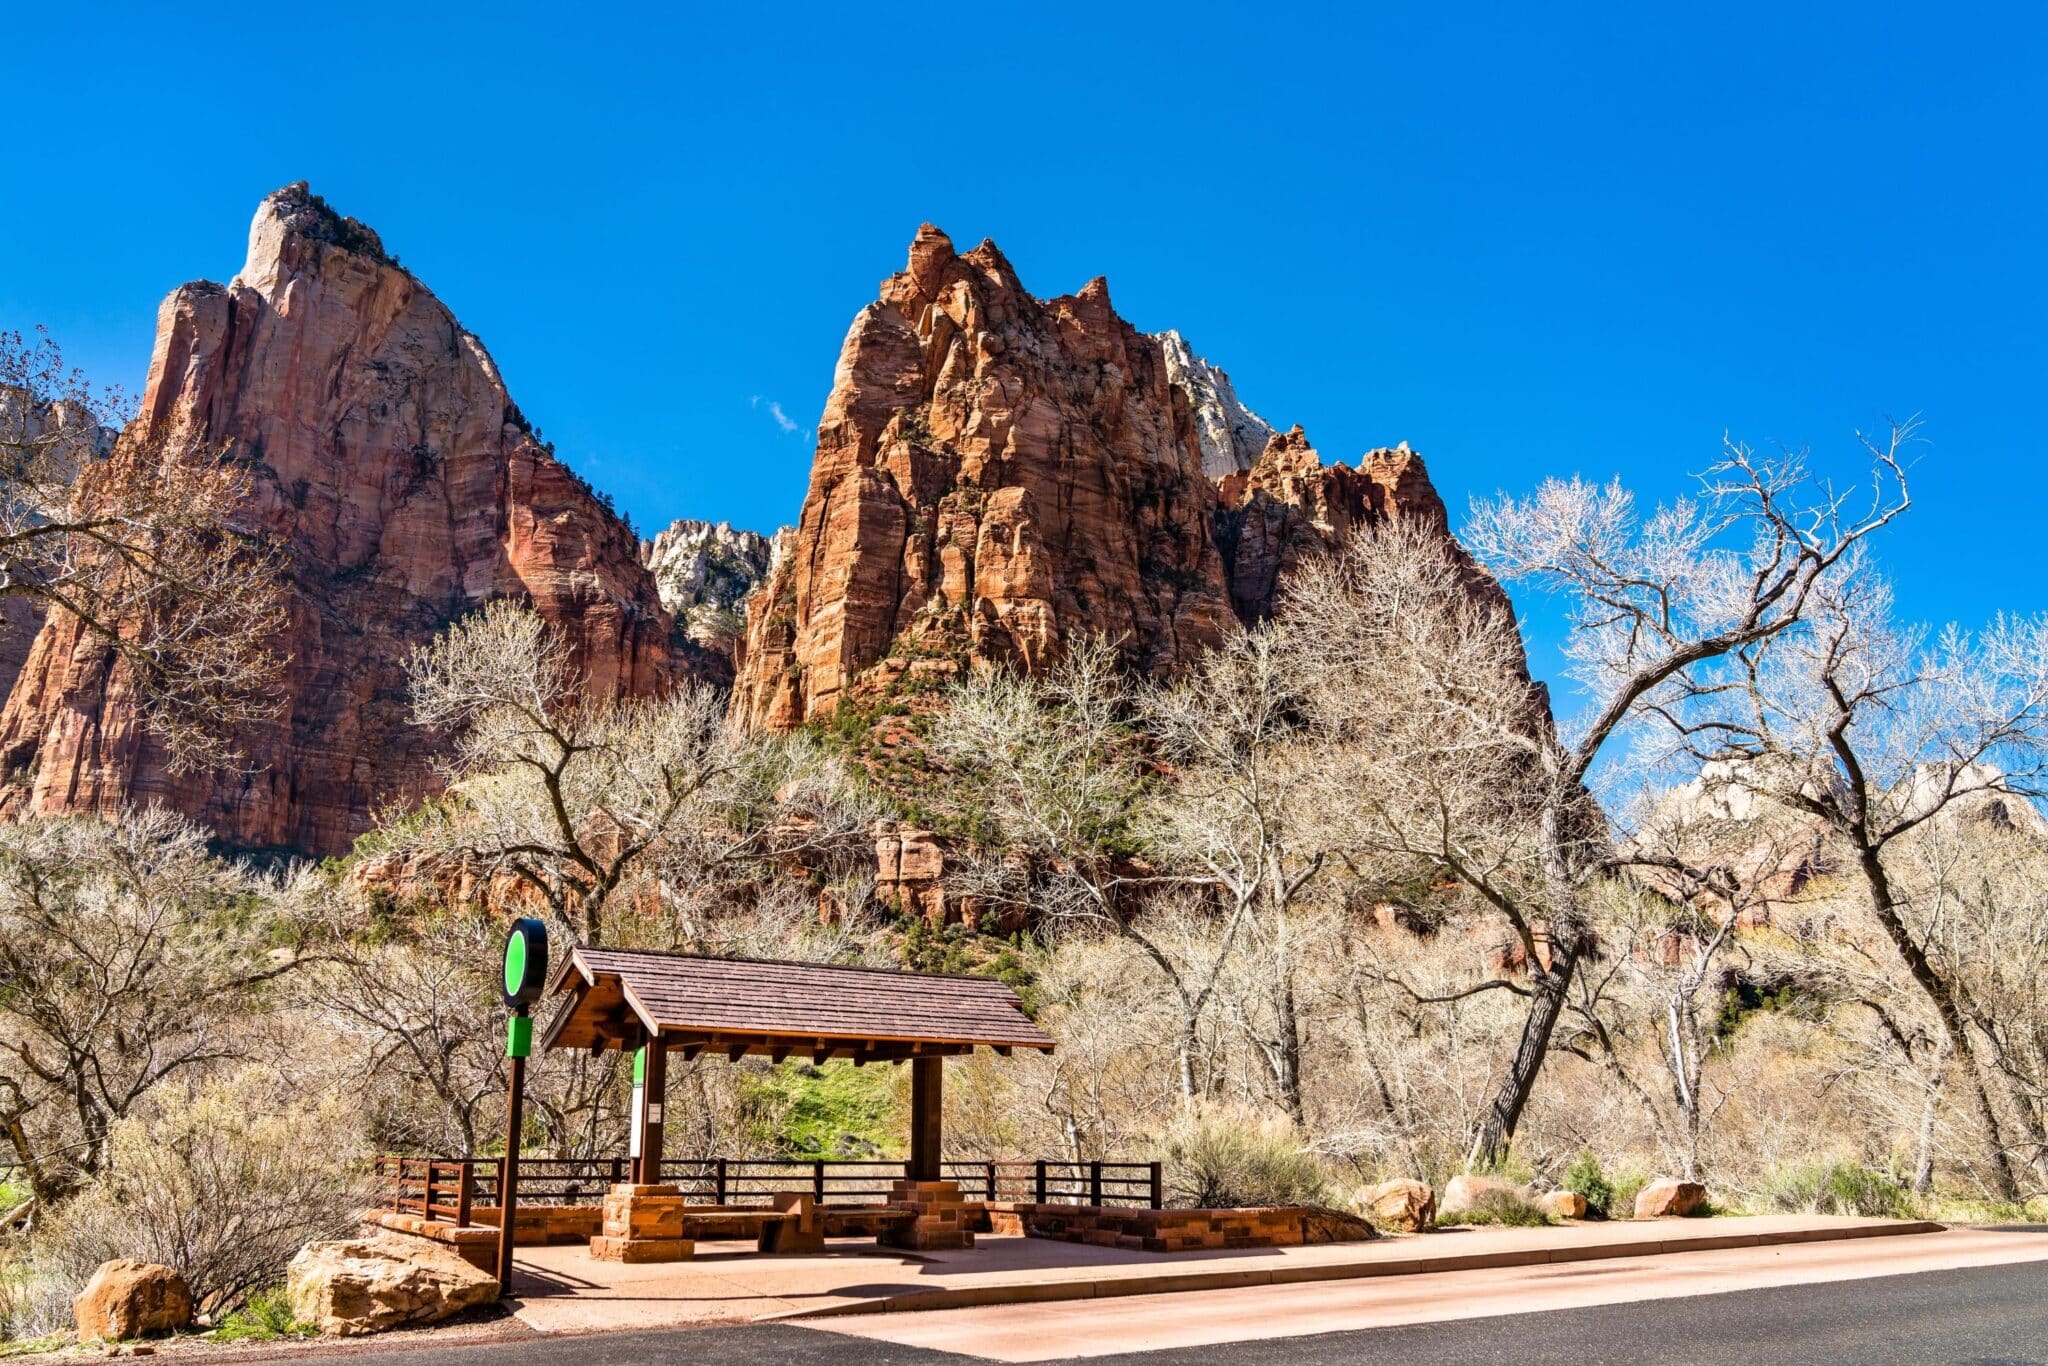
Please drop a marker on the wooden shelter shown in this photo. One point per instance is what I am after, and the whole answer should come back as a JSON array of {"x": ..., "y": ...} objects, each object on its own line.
[{"x": 626, "y": 998}]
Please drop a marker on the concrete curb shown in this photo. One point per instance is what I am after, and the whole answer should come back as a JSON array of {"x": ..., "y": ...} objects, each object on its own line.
[{"x": 1044, "y": 1292}]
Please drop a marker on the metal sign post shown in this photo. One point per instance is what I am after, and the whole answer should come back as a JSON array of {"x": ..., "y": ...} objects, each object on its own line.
[{"x": 526, "y": 971}]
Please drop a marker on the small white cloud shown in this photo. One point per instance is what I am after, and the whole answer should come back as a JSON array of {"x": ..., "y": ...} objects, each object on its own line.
[{"x": 782, "y": 419}]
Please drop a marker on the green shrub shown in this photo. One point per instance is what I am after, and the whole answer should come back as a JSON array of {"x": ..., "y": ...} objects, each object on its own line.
[
  {"x": 1585, "y": 1178},
  {"x": 831, "y": 1109},
  {"x": 266, "y": 1317},
  {"x": 1622, "y": 1190},
  {"x": 1838, "y": 1188},
  {"x": 1235, "y": 1159},
  {"x": 1502, "y": 1208}
]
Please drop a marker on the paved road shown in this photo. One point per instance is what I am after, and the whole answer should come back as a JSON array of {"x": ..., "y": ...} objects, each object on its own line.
[{"x": 1986, "y": 1316}]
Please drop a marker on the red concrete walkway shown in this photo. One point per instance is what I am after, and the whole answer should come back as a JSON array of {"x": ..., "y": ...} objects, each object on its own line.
[{"x": 563, "y": 1289}]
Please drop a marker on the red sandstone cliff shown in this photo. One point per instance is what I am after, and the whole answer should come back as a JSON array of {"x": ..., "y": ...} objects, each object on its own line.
[
  {"x": 408, "y": 489},
  {"x": 996, "y": 473},
  {"x": 992, "y": 471}
]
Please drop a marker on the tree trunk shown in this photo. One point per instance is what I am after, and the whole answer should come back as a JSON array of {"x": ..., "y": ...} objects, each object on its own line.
[
  {"x": 2005, "y": 1183},
  {"x": 1497, "y": 1125},
  {"x": 1287, "y": 1053}
]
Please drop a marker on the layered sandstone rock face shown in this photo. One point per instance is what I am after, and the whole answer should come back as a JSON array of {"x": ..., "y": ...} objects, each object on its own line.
[
  {"x": 409, "y": 490},
  {"x": 998, "y": 474},
  {"x": 993, "y": 471}
]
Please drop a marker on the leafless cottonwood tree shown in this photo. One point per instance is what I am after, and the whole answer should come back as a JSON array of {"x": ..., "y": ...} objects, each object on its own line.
[
  {"x": 1052, "y": 764},
  {"x": 1873, "y": 732},
  {"x": 1499, "y": 798},
  {"x": 581, "y": 800},
  {"x": 129, "y": 957},
  {"x": 1243, "y": 818},
  {"x": 146, "y": 541}
]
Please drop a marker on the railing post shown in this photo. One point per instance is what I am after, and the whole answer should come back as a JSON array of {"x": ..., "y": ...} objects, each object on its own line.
[
  {"x": 462, "y": 1196},
  {"x": 1038, "y": 1183},
  {"x": 991, "y": 1181},
  {"x": 818, "y": 1181},
  {"x": 718, "y": 1182},
  {"x": 1095, "y": 1182},
  {"x": 1158, "y": 1187}
]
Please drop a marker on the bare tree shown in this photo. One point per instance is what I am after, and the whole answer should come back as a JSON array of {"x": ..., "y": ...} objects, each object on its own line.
[
  {"x": 1051, "y": 762},
  {"x": 129, "y": 957},
  {"x": 1867, "y": 729},
  {"x": 1403, "y": 647},
  {"x": 148, "y": 543},
  {"x": 581, "y": 801}
]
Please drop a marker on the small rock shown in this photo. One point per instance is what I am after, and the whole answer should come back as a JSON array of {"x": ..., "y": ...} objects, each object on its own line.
[
  {"x": 1403, "y": 1204},
  {"x": 1563, "y": 1205},
  {"x": 127, "y": 1299},
  {"x": 1670, "y": 1199}
]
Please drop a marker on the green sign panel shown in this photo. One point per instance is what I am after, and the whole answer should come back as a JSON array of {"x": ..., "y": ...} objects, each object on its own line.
[{"x": 526, "y": 963}]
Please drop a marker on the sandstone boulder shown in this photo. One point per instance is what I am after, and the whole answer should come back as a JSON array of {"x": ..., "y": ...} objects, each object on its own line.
[
  {"x": 364, "y": 1285},
  {"x": 1402, "y": 1203},
  {"x": 1322, "y": 1225},
  {"x": 131, "y": 1299},
  {"x": 1563, "y": 1205},
  {"x": 1464, "y": 1192},
  {"x": 1670, "y": 1199}
]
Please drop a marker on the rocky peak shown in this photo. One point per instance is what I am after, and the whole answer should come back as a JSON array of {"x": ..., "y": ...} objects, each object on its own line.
[
  {"x": 704, "y": 572},
  {"x": 1232, "y": 436},
  {"x": 393, "y": 464},
  {"x": 993, "y": 471},
  {"x": 997, "y": 472}
]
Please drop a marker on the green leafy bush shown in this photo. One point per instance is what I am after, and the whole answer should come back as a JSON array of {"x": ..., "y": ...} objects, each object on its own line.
[
  {"x": 831, "y": 1109},
  {"x": 1838, "y": 1188},
  {"x": 1585, "y": 1178},
  {"x": 1233, "y": 1159},
  {"x": 266, "y": 1317}
]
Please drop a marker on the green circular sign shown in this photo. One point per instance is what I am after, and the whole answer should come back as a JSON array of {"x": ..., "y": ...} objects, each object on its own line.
[
  {"x": 526, "y": 962},
  {"x": 515, "y": 963}
]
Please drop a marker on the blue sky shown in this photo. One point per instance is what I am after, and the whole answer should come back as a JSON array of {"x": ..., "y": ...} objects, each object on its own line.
[{"x": 1531, "y": 240}]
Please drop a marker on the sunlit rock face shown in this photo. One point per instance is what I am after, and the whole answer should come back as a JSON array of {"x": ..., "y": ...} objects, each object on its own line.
[
  {"x": 1232, "y": 437},
  {"x": 409, "y": 489},
  {"x": 704, "y": 572},
  {"x": 997, "y": 474}
]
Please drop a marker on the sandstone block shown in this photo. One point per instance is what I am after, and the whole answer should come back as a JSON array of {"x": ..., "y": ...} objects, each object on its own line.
[
  {"x": 1670, "y": 1199},
  {"x": 1563, "y": 1205},
  {"x": 1402, "y": 1203},
  {"x": 1463, "y": 1192},
  {"x": 131, "y": 1299},
  {"x": 364, "y": 1285}
]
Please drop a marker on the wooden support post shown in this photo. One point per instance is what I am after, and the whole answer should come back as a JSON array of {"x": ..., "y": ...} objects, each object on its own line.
[
  {"x": 1158, "y": 1185},
  {"x": 1038, "y": 1182},
  {"x": 1095, "y": 1182},
  {"x": 508, "y": 1178},
  {"x": 927, "y": 1116},
  {"x": 652, "y": 1113}
]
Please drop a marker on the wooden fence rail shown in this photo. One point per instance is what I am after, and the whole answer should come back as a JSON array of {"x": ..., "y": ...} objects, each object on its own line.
[{"x": 447, "y": 1187}]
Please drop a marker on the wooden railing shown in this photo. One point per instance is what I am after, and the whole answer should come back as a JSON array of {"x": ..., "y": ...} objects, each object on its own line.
[
  {"x": 431, "y": 1187},
  {"x": 446, "y": 1187}
]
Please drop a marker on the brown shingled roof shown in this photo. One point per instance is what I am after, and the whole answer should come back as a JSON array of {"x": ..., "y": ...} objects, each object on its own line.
[{"x": 741, "y": 1006}]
